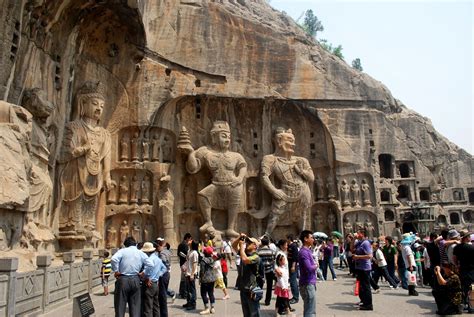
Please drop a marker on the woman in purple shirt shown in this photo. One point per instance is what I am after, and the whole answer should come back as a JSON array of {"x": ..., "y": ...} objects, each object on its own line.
[{"x": 328, "y": 261}]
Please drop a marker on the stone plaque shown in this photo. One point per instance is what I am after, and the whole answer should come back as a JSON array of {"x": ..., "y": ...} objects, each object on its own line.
[{"x": 82, "y": 306}]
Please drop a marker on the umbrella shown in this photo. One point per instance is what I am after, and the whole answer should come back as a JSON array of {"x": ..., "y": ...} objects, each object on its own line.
[
  {"x": 320, "y": 235},
  {"x": 337, "y": 234}
]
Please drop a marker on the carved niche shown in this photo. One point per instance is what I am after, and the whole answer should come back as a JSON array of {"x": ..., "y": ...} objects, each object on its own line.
[
  {"x": 145, "y": 144},
  {"x": 133, "y": 192},
  {"x": 361, "y": 219},
  {"x": 253, "y": 139}
]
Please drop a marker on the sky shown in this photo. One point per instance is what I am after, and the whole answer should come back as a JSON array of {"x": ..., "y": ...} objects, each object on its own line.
[{"x": 421, "y": 50}]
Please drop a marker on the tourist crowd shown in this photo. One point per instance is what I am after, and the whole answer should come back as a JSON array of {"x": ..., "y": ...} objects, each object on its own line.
[{"x": 289, "y": 269}]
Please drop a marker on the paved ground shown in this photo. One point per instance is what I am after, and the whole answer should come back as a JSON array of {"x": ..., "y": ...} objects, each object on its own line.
[{"x": 334, "y": 298}]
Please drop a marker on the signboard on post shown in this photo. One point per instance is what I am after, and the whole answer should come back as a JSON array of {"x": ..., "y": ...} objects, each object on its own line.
[{"x": 82, "y": 306}]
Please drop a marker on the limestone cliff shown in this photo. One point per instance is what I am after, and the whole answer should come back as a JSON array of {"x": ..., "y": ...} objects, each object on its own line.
[{"x": 172, "y": 63}]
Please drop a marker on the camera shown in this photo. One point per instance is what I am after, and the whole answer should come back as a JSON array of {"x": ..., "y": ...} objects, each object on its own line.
[{"x": 242, "y": 238}]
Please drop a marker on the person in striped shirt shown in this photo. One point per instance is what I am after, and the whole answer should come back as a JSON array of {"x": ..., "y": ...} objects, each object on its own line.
[{"x": 105, "y": 272}]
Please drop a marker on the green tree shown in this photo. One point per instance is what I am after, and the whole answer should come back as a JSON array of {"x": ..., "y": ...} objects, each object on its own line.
[
  {"x": 311, "y": 24},
  {"x": 357, "y": 64},
  {"x": 336, "y": 50}
]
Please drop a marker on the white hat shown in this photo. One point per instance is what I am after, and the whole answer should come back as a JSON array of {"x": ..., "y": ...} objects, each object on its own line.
[{"x": 148, "y": 247}]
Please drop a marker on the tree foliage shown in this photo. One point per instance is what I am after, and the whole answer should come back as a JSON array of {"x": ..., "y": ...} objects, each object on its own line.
[
  {"x": 336, "y": 50},
  {"x": 357, "y": 64},
  {"x": 311, "y": 24}
]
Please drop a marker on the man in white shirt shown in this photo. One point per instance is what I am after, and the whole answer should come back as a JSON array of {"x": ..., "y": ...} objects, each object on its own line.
[
  {"x": 381, "y": 267},
  {"x": 410, "y": 265},
  {"x": 127, "y": 264}
]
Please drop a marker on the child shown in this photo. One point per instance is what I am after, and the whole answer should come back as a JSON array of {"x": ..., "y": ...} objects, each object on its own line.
[
  {"x": 219, "y": 276},
  {"x": 282, "y": 290},
  {"x": 207, "y": 278},
  {"x": 105, "y": 272},
  {"x": 317, "y": 256},
  {"x": 418, "y": 259},
  {"x": 225, "y": 269}
]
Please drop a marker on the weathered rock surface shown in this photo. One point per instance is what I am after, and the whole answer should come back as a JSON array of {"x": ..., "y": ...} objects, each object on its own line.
[
  {"x": 166, "y": 64},
  {"x": 15, "y": 165}
]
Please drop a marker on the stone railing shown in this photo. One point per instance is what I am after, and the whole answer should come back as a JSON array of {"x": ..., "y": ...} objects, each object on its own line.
[{"x": 47, "y": 287}]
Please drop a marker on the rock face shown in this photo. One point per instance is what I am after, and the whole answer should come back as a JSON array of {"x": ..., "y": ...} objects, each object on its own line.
[{"x": 92, "y": 178}]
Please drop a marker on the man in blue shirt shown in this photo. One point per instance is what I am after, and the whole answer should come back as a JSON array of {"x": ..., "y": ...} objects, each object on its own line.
[
  {"x": 126, "y": 264},
  {"x": 153, "y": 271},
  {"x": 363, "y": 265}
]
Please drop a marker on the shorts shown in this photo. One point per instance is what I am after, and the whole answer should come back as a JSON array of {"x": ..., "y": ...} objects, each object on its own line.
[
  {"x": 219, "y": 283},
  {"x": 105, "y": 281}
]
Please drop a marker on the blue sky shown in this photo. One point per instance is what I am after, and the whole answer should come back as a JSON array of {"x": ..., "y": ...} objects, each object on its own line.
[{"x": 421, "y": 50}]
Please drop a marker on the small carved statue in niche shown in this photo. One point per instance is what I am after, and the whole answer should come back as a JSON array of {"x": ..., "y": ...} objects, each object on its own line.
[
  {"x": 228, "y": 170},
  {"x": 85, "y": 162},
  {"x": 124, "y": 231},
  {"x": 123, "y": 190},
  {"x": 397, "y": 232},
  {"x": 294, "y": 175},
  {"x": 3, "y": 240},
  {"x": 166, "y": 149},
  {"x": 136, "y": 231},
  {"x": 146, "y": 189},
  {"x": 355, "y": 191},
  {"x": 369, "y": 229},
  {"x": 318, "y": 221},
  {"x": 332, "y": 220},
  {"x": 347, "y": 226},
  {"x": 365, "y": 188},
  {"x": 111, "y": 237},
  {"x": 112, "y": 195},
  {"x": 319, "y": 188},
  {"x": 40, "y": 182},
  {"x": 148, "y": 232},
  {"x": 145, "y": 149},
  {"x": 456, "y": 195},
  {"x": 358, "y": 225},
  {"x": 345, "y": 191},
  {"x": 124, "y": 148},
  {"x": 189, "y": 195},
  {"x": 166, "y": 204},
  {"x": 395, "y": 168},
  {"x": 251, "y": 197},
  {"x": 134, "y": 190},
  {"x": 134, "y": 147},
  {"x": 155, "y": 156},
  {"x": 331, "y": 186}
]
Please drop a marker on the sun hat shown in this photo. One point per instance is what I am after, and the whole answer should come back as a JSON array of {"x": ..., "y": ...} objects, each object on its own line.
[
  {"x": 453, "y": 234},
  {"x": 407, "y": 238},
  {"x": 464, "y": 233},
  {"x": 252, "y": 240},
  {"x": 148, "y": 247}
]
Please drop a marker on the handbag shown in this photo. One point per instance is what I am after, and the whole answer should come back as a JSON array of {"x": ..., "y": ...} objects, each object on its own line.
[
  {"x": 411, "y": 277},
  {"x": 356, "y": 288},
  {"x": 256, "y": 293}
]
